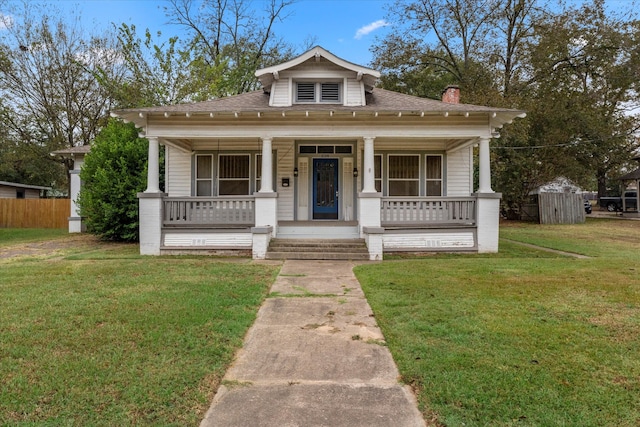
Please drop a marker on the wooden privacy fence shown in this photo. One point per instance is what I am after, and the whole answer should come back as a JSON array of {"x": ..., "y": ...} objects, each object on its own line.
[
  {"x": 555, "y": 208},
  {"x": 34, "y": 213}
]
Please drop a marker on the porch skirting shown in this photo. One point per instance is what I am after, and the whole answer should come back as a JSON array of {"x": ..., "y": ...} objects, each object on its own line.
[
  {"x": 204, "y": 240},
  {"x": 408, "y": 225},
  {"x": 422, "y": 240}
]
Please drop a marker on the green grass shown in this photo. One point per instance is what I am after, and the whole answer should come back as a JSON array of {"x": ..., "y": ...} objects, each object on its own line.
[
  {"x": 106, "y": 337},
  {"x": 520, "y": 337},
  {"x": 12, "y": 236}
]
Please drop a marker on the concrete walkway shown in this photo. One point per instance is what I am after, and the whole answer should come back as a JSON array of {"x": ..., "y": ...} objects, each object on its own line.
[{"x": 314, "y": 358}]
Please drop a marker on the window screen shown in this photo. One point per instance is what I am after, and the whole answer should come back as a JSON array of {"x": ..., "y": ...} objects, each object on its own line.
[
  {"x": 434, "y": 175},
  {"x": 233, "y": 175},
  {"x": 204, "y": 175},
  {"x": 404, "y": 175},
  {"x": 377, "y": 166}
]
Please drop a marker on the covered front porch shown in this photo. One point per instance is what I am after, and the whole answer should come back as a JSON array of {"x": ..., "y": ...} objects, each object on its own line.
[{"x": 247, "y": 223}]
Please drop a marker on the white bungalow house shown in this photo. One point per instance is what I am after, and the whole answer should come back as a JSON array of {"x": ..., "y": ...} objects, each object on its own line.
[{"x": 320, "y": 153}]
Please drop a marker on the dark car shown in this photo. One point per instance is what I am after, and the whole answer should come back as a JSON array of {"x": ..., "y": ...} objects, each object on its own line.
[{"x": 587, "y": 207}]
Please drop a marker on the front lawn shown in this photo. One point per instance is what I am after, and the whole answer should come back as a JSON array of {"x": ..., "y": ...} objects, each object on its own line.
[
  {"x": 521, "y": 337},
  {"x": 12, "y": 236},
  {"x": 106, "y": 337}
]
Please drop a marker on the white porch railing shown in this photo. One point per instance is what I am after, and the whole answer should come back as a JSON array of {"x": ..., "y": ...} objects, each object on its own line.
[
  {"x": 208, "y": 211},
  {"x": 427, "y": 211}
]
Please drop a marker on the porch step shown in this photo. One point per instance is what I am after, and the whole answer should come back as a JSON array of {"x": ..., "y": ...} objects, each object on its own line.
[{"x": 320, "y": 249}]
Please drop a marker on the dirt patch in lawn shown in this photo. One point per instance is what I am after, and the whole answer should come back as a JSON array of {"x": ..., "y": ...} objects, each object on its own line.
[{"x": 52, "y": 247}]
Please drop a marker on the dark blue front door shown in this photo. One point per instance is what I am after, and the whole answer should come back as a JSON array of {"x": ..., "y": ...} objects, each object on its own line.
[{"x": 325, "y": 188}]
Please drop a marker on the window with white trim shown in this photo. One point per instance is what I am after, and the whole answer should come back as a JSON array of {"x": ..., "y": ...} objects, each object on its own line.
[
  {"x": 233, "y": 174},
  {"x": 403, "y": 175},
  {"x": 204, "y": 175},
  {"x": 258, "y": 172},
  {"x": 314, "y": 92},
  {"x": 433, "y": 175},
  {"x": 377, "y": 174}
]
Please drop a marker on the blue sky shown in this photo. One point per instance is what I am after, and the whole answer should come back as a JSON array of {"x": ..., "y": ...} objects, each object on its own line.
[{"x": 347, "y": 28}]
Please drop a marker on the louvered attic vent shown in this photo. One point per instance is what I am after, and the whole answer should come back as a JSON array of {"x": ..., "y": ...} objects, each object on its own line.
[
  {"x": 308, "y": 92},
  {"x": 330, "y": 92}
]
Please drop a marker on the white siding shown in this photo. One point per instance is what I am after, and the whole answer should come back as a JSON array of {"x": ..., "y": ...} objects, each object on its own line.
[
  {"x": 285, "y": 153},
  {"x": 280, "y": 93},
  {"x": 178, "y": 173},
  {"x": 460, "y": 172},
  {"x": 354, "y": 93}
]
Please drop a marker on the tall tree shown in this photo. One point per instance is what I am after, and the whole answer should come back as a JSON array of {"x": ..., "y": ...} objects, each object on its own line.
[
  {"x": 230, "y": 39},
  {"x": 573, "y": 70},
  {"x": 587, "y": 71},
  {"x": 51, "y": 99}
]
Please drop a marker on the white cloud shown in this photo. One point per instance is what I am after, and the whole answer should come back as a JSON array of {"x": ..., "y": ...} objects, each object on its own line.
[
  {"x": 363, "y": 31},
  {"x": 6, "y": 21}
]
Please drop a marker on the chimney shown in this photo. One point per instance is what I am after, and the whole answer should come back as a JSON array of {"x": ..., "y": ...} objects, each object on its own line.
[{"x": 451, "y": 95}]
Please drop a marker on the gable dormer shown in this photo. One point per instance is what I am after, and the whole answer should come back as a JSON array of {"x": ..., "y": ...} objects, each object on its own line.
[{"x": 317, "y": 77}]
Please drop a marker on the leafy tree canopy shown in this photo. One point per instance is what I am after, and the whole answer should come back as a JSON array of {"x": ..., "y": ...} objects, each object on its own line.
[{"x": 574, "y": 69}]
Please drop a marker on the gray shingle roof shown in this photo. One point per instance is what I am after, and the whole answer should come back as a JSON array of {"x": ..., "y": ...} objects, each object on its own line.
[{"x": 377, "y": 100}]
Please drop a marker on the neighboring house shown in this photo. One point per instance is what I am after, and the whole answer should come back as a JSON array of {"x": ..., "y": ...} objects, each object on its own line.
[
  {"x": 320, "y": 153},
  {"x": 12, "y": 190},
  {"x": 77, "y": 155}
]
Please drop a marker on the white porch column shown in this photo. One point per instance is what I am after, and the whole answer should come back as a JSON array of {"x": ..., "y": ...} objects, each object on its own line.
[
  {"x": 153, "y": 167},
  {"x": 151, "y": 205},
  {"x": 266, "y": 183},
  {"x": 485, "y": 166},
  {"x": 368, "y": 178},
  {"x": 266, "y": 205},
  {"x": 75, "y": 220},
  {"x": 369, "y": 205},
  {"x": 487, "y": 203}
]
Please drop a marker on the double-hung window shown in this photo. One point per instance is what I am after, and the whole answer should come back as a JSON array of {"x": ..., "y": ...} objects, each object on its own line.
[
  {"x": 233, "y": 174},
  {"x": 434, "y": 175},
  {"x": 230, "y": 178},
  {"x": 404, "y": 175},
  {"x": 204, "y": 175},
  {"x": 258, "y": 172},
  {"x": 377, "y": 168}
]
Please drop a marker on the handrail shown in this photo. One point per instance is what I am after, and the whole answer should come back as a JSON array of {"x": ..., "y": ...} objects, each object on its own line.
[
  {"x": 399, "y": 211},
  {"x": 216, "y": 211}
]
